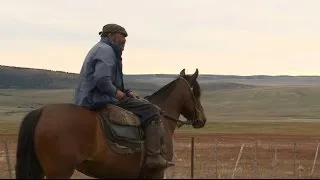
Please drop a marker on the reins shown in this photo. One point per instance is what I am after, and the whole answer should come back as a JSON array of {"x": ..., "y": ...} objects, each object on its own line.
[{"x": 180, "y": 122}]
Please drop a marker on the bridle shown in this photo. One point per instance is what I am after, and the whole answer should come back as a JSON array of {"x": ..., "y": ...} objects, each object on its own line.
[{"x": 196, "y": 110}]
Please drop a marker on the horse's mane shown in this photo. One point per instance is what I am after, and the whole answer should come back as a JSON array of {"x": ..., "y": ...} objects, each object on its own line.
[
  {"x": 164, "y": 91},
  {"x": 167, "y": 89}
]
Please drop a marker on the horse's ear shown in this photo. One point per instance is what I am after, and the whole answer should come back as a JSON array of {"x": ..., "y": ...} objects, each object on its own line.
[
  {"x": 183, "y": 73},
  {"x": 195, "y": 75}
]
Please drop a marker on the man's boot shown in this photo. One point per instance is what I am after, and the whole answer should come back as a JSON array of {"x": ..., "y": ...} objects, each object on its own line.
[{"x": 152, "y": 137}]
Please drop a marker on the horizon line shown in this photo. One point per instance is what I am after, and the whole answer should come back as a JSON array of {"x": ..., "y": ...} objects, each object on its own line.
[{"x": 134, "y": 74}]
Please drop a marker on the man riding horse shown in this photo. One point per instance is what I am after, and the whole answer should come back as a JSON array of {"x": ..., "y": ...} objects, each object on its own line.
[{"x": 101, "y": 83}]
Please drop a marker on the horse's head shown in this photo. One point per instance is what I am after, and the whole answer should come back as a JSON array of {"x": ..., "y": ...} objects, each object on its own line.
[{"x": 192, "y": 108}]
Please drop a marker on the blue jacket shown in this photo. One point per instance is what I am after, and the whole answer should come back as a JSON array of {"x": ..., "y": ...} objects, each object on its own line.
[{"x": 100, "y": 76}]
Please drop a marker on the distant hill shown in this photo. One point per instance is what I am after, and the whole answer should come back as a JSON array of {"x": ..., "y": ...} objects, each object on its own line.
[
  {"x": 28, "y": 78},
  {"x": 224, "y": 86}
]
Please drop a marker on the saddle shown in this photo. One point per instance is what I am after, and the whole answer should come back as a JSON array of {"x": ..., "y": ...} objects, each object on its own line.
[{"x": 123, "y": 130}]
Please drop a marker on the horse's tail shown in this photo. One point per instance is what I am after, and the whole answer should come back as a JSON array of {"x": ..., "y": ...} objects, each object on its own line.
[{"x": 27, "y": 164}]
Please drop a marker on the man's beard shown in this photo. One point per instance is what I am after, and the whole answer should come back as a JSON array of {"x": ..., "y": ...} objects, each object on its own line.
[{"x": 119, "y": 44}]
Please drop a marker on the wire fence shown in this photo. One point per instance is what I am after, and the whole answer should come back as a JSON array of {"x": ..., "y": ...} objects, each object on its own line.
[
  {"x": 276, "y": 161},
  {"x": 251, "y": 160},
  {"x": 6, "y": 158}
]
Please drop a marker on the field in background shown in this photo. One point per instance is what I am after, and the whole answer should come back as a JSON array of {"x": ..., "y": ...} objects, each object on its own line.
[
  {"x": 274, "y": 116},
  {"x": 249, "y": 104}
]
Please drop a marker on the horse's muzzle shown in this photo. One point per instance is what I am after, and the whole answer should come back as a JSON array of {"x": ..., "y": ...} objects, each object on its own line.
[{"x": 198, "y": 124}]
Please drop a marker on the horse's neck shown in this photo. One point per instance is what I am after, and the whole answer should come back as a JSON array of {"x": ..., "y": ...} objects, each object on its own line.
[{"x": 172, "y": 105}]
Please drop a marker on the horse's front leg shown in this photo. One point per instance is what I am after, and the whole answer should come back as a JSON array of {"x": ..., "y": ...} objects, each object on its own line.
[
  {"x": 158, "y": 175},
  {"x": 152, "y": 174}
]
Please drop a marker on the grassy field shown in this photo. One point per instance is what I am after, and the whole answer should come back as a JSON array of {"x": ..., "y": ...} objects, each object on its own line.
[
  {"x": 261, "y": 109},
  {"x": 264, "y": 103}
]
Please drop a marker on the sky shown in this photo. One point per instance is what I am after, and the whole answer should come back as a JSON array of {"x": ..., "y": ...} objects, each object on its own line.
[{"x": 234, "y": 37}]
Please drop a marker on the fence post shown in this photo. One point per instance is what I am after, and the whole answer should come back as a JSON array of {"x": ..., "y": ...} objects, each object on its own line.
[
  {"x": 6, "y": 152},
  {"x": 239, "y": 156},
  {"x": 216, "y": 158},
  {"x": 192, "y": 157},
  {"x": 255, "y": 160},
  {"x": 294, "y": 158},
  {"x": 275, "y": 162},
  {"x": 315, "y": 159}
]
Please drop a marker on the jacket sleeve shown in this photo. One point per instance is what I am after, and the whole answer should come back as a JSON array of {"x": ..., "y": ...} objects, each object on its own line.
[{"x": 105, "y": 61}]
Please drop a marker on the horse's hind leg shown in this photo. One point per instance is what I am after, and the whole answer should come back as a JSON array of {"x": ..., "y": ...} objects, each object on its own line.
[
  {"x": 59, "y": 173},
  {"x": 58, "y": 167},
  {"x": 58, "y": 160}
]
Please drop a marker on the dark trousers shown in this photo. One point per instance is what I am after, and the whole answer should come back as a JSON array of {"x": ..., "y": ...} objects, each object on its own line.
[{"x": 144, "y": 110}]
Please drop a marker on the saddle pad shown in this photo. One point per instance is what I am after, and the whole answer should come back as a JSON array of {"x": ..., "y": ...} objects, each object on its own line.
[
  {"x": 120, "y": 116},
  {"x": 125, "y": 136},
  {"x": 125, "y": 132}
]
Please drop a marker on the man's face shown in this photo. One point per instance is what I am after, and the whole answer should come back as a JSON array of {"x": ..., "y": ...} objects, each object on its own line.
[{"x": 120, "y": 40}]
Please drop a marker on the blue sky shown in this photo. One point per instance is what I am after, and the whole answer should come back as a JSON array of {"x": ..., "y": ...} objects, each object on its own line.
[{"x": 241, "y": 37}]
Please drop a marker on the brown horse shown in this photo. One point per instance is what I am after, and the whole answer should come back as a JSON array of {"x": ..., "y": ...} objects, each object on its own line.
[{"x": 57, "y": 139}]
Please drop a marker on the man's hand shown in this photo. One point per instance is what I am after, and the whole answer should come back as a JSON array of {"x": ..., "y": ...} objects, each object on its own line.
[
  {"x": 132, "y": 95},
  {"x": 120, "y": 95}
]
